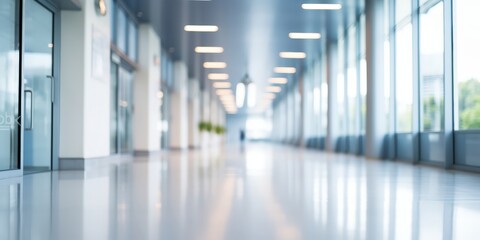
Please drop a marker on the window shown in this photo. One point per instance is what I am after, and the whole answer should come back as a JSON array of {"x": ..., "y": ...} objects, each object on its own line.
[
  {"x": 113, "y": 22},
  {"x": 121, "y": 30},
  {"x": 352, "y": 85},
  {"x": 386, "y": 65},
  {"x": 467, "y": 70},
  {"x": 363, "y": 74},
  {"x": 132, "y": 40},
  {"x": 403, "y": 9},
  {"x": 431, "y": 67},
  {"x": 404, "y": 78},
  {"x": 341, "y": 87},
  {"x": 386, "y": 83},
  {"x": 324, "y": 95}
]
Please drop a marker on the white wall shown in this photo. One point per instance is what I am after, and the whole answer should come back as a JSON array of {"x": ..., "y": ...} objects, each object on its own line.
[
  {"x": 147, "y": 85},
  {"x": 85, "y": 100}
]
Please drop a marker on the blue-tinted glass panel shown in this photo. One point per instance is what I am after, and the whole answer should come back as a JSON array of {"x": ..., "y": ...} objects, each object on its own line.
[
  {"x": 132, "y": 40},
  {"x": 467, "y": 70},
  {"x": 9, "y": 84},
  {"x": 121, "y": 31}
]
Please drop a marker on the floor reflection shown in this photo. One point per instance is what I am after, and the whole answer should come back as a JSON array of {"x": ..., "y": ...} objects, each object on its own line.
[{"x": 264, "y": 192}]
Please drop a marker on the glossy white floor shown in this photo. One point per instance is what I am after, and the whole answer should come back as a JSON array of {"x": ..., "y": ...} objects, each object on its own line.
[{"x": 265, "y": 192}]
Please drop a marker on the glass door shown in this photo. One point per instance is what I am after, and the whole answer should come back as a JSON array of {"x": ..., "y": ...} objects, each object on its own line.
[
  {"x": 125, "y": 113},
  {"x": 38, "y": 87},
  {"x": 9, "y": 84},
  {"x": 121, "y": 112}
]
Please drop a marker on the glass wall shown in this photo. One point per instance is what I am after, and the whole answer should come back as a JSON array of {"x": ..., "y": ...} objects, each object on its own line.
[
  {"x": 124, "y": 31},
  {"x": 467, "y": 71},
  {"x": 132, "y": 40},
  {"x": 386, "y": 66},
  {"x": 352, "y": 83},
  {"x": 341, "y": 88},
  {"x": 121, "y": 30},
  {"x": 432, "y": 67},
  {"x": 363, "y": 74},
  {"x": 9, "y": 84},
  {"x": 404, "y": 78},
  {"x": 324, "y": 95},
  {"x": 113, "y": 108}
]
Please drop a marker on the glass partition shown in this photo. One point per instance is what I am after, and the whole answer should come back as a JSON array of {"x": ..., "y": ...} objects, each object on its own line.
[
  {"x": 467, "y": 57},
  {"x": 404, "y": 78},
  {"x": 432, "y": 68},
  {"x": 9, "y": 84}
]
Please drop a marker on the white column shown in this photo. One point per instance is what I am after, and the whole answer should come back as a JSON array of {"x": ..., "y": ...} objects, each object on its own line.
[
  {"x": 85, "y": 84},
  {"x": 375, "y": 122},
  {"x": 179, "y": 108},
  {"x": 332, "y": 71},
  {"x": 194, "y": 113},
  {"x": 147, "y": 86}
]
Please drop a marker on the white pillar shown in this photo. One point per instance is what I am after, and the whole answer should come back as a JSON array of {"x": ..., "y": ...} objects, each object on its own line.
[
  {"x": 375, "y": 122},
  {"x": 147, "y": 85},
  {"x": 179, "y": 108},
  {"x": 85, "y": 86},
  {"x": 194, "y": 113},
  {"x": 332, "y": 71}
]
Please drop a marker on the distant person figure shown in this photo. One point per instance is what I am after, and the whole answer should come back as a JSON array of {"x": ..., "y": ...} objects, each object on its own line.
[{"x": 242, "y": 138}]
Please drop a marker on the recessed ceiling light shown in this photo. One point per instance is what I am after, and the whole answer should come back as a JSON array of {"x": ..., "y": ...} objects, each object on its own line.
[
  {"x": 285, "y": 70},
  {"x": 278, "y": 80},
  {"x": 216, "y": 65},
  {"x": 274, "y": 89},
  {"x": 297, "y": 35},
  {"x": 222, "y": 85},
  {"x": 218, "y": 76},
  {"x": 321, "y": 6},
  {"x": 297, "y": 55},
  {"x": 209, "y": 50},
  {"x": 200, "y": 28}
]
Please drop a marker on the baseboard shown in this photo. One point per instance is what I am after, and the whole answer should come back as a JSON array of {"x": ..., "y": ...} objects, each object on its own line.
[
  {"x": 145, "y": 153},
  {"x": 178, "y": 149},
  {"x": 82, "y": 164},
  {"x": 71, "y": 164}
]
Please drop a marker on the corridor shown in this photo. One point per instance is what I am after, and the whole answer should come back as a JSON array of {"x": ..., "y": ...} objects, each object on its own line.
[{"x": 263, "y": 191}]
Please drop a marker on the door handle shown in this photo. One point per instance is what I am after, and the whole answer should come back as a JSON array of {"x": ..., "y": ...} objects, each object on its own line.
[
  {"x": 28, "y": 110},
  {"x": 52, "y": 78}
]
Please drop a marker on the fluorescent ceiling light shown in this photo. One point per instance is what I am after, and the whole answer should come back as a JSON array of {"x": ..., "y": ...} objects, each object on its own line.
[
  {"x": 278, "y": 80},
  {"x": 218, "y": 76},
  {"x": 274, "y": 89},
  {"x": 296, "y": 35},
  {"x": 322, "y": 6},
  {"x": 285, "y": 70},
  {"x": 298, "y": 55},
  {"x": 209, "y": 50},
  {"x": 214, "y": 65},
  {"x": 222, "y": 92},
  {"x": 222, "y": 85},
  {"x": 200, "y": 28}
]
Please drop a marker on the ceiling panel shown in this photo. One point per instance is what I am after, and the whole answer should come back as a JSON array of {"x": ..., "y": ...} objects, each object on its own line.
[{"x": 253, "y": 32}]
